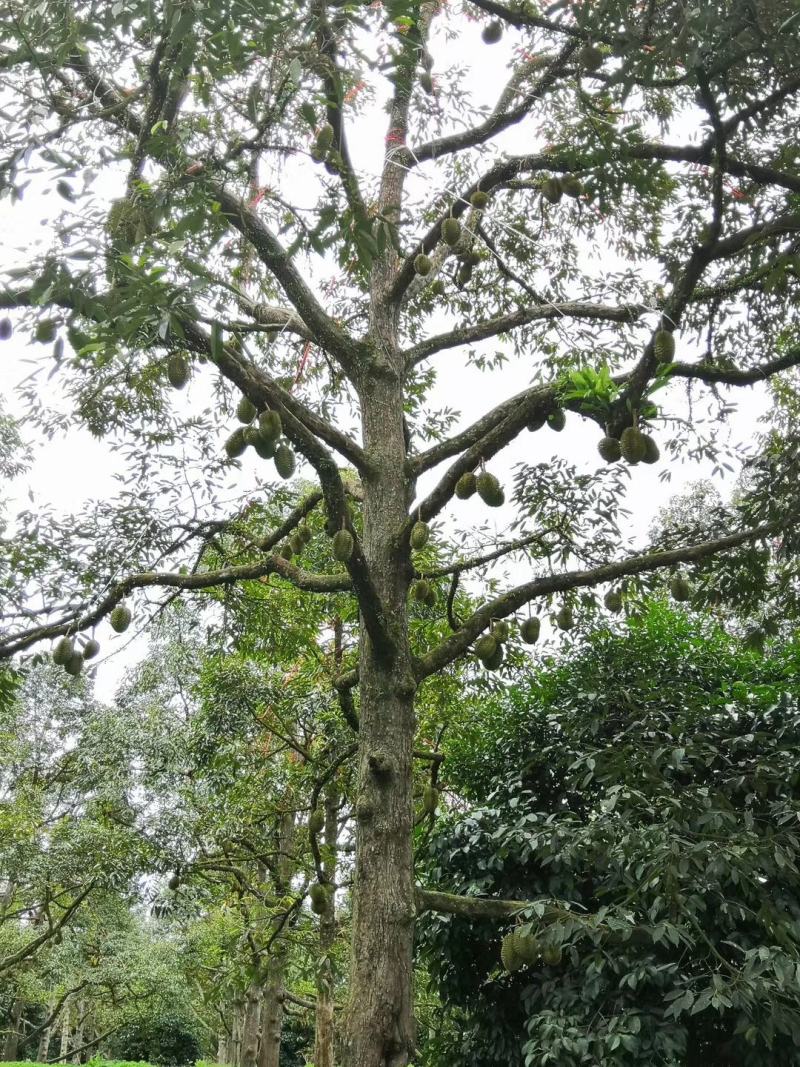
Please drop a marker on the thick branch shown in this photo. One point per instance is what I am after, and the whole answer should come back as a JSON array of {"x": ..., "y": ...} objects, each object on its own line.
[
  {"x": 326, "y": 332},
  {"x": 479, "y": 331},
  {"x": 509, "y": 602},
  {"x": 315, "y": 583}
]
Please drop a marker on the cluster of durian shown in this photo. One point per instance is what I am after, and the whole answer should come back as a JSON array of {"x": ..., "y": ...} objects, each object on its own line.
[
  {"x": 71, "y": 653},
  {"x": 492, "y": 32},
  {"x": 316, "y": 821},
  {"x": 680, "y": 588},
  {"x": 296, "y": 542},
  {"x": 430, "y": 799},
  {"x": 489, "y": 647},
  {"x": 522, "y": 948},
  {"x": 554, "y": 188},
  {"x": 261, "y": 431},
  {"x": 424, "y": 592},
  {"x": 484, "y": 484},
  {"x": 632, "y": 445},
  {"x": 556, "y": 420}
]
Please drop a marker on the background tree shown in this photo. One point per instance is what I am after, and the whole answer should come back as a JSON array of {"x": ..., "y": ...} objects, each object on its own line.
[
  {"x": 647, "y": 771},
  {"x": 208, "y": 266}
]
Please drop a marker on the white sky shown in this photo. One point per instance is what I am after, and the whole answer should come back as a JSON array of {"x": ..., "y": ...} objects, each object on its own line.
[{"x": 56, "y": 476}]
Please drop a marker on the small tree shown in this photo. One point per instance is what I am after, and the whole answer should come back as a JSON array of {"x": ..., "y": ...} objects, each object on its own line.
[{"x": 211, "y": 119}]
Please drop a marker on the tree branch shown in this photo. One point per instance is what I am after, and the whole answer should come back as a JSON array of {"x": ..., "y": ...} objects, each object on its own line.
[{"x": 507, "y": 603}]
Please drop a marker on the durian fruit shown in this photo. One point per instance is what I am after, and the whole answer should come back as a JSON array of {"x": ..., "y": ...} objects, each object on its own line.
[
  {"x": 430, "y": 799},
  {"x": 492, "y": 32},
  {"x": 319, "y": 898},
  {"x": 508, "y": 953},
  {"x": 571, "y": 186},
  {"x": 564, "y": 618},
  {"x": 536, "y": 422},
  {"x": 178, "y": 371},
  {"x": 526, "y": 946},
  {"x": 436, "y": 288},
  {"x": 297, "y": 543},
  {"x": 590, "y": 57},
  {"x": 64, "y": 648},
  {"x": 464, "y": 275},
  {"x": 466, "y": 486},
  {"x": 651, "y": 450},
  {"x": 174, "y": 882},
  {"x": 479, "y": 199},
  {"x": 5, "y": 329},
  {"x": 552, "y": 190},
  {"x": 120, "y": 618},
  {"x": 426, "y": 82},
  {"x": 284, "y": 461},
  {"x": 680, "y": 589},
  {"x": 551, "y": 955},
  {"x": 421, "y": 590},
  {"x": 664, "y": 346},
  {"x": 264, "y": 446},
  {"x": 529, "y": 631},
  {"x": 246, "y": 411},
  {"x": 489, "y": 490},
  {"x": 755, "y": 639},
  {"x": 420, "y": 532},
  {"x": 609, "y": 449},
  {"x": 236, "y": 444},
  {"x": 305, "y": 533},
  {"x": 342, "y": 545},
  {"x": 45, "y": 331},
  {"x": 451, "y": 232},
  {"x": 286, "y": 551},
  {"x": 501, "y": 631},
  {"x": 632, "y": 445},
  {"x": 270, "y": 425},
  {"x": 91, "y": 648},
  {"x": 486, "y": 646},
  {"x": 316, "y": 821},
  {"x": 613, "y": 600},
  {"x": 493, "y": 662},
  {"x": 74, "y": 664},
  {"x": 557, "y": 420},
  {"x": 324, "y": 139},
  {"x": 430, "y": 599},
  {"x": 423, "y": 264}
]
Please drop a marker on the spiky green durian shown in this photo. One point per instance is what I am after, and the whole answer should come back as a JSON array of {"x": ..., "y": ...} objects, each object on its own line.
[
  {"x": 420, "y": 532},
  {"x": 342, "y": 545},
  {"x": 120, "y": 618},
  {"x": 529, "y": 631},
  {"x": 284, "y": 461},
  {"x": 451, "y": 231},
  {"x": 610, "y": 449},
  {"x": 466, "y": 486}
]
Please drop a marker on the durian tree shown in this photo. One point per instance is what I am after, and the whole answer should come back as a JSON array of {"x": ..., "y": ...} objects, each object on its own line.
[{"x": 230, "y": 220}]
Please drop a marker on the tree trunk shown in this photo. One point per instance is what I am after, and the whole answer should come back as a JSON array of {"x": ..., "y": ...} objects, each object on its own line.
[
  {"x": 251, "y": 1027},
  {"x": 43, "y": 1051},
  {"x": 11, "y": 1043},
  {"x": 222, "y": 1048},
  {"x": 323, "y": 1023},
  {"x": 380, "y": 1030},
  {"x": 236, "y": 1037},
  {"x": 79, "y": 1040},
  {"x": 269, "y": 1052},
  {"x": 65, "y": 1030}
]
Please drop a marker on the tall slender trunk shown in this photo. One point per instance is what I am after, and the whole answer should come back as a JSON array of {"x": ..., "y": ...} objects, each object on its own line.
[
  {"x": 251, "y": 1026},
  {"x": 66, "y": 1023},
  {"x": 274, "y": 978},
  {"x": 380, "y": 1030},
  {"x": 13, "y": 1033},
  {"x": 323, "y": 1022},
  {"x": 79, "y": 1028},
  {"x": 236, "y": 1033},
  {"x": 44, "y": 1037},
  {"x": 222, "y": 1048}
]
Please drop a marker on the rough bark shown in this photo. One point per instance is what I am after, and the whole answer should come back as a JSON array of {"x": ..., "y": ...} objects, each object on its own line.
[
  {"x": 43, "y": 1050},
  {"x": 63, "y": 1048},
  {"x": 13, "y": 1033},
  {"x": 380, "y": 1029},
  {"x": 323, "y": 1017},
  {"x": 251, "y": 1027}
]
